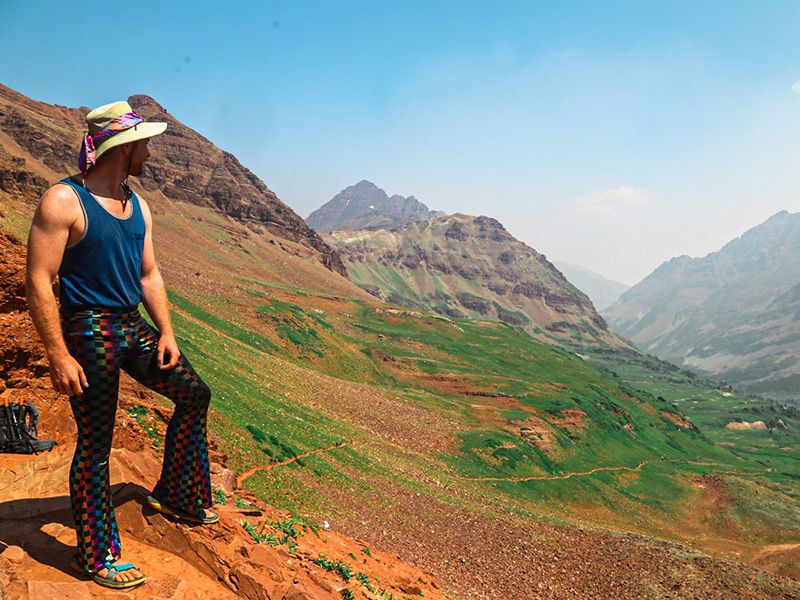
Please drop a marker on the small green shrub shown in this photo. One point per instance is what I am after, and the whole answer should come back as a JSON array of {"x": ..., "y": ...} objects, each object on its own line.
[
  {"x": 343, "y": 569},
  {"x": 258, "y": 536}
]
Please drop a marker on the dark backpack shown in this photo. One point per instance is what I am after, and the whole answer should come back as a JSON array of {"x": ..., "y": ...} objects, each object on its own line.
[{"x": 18, "y": 429}]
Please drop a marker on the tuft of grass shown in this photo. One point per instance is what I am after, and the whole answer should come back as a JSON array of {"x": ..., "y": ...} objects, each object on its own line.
[
  {"x": 258, "y": 536},
  {"x": 138, "y": 413},
  {"x": 288, "y": 526},
  {"x": 241, "y": 503},
  {"x": 219, "y": 496},
  {"x": 342, "y": 568},
  {"x": 258, "y": 435}
]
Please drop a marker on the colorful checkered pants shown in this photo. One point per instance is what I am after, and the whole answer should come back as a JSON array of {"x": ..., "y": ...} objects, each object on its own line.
[{"x": 104, "y": 341}]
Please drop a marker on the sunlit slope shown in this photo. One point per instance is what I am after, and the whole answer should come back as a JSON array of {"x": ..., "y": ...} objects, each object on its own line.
[
  {"x": 754, "y": 428},
  {"x": 464, "y": 266},
  {"x": 476, "y": 415},
  {"x": 302, "y": 360},
  {"x": 759, "y": 431}
]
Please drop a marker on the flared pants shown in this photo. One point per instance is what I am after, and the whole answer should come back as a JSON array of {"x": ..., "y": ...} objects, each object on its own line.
[{"x": 103, "y": 341}]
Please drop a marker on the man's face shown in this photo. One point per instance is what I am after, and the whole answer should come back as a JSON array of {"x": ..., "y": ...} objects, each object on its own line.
[{"x": 140, "y": 155}]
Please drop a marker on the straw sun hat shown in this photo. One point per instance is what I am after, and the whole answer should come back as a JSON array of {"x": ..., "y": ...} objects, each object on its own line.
[{"x": 112, "y": 125}]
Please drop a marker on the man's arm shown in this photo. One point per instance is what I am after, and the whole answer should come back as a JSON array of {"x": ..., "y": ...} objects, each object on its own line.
[
  {"x": 154, "y": 295},
  {"x": 57, "y": 211}
]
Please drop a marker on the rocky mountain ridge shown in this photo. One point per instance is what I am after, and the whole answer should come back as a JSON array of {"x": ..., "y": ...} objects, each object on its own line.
[
  {"x": 731, "y": 314},
  {"x": 39, "y": 145},
  {"x": 460, "y": 265}
]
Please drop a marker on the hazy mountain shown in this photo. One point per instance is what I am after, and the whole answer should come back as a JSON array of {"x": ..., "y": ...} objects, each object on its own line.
[
  {"x": 732, "y": 314},
  {"x": 461, "y": 265},
  {"x": 602, "y": 291},
  {"x": 366, "y": 206}
]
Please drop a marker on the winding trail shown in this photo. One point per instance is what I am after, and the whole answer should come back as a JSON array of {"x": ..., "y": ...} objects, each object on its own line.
[
  {"x": 617, "y": 468},
  {"x": 247, "y": 474}
]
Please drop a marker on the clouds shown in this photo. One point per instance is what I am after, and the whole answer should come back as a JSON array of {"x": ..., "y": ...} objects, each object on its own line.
[
  {"x": 621, "y": 199},
  {"x": 796, "y": 87}
]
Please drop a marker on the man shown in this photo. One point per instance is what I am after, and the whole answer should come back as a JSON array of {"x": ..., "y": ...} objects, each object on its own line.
[{"x": 96, "y": 234}]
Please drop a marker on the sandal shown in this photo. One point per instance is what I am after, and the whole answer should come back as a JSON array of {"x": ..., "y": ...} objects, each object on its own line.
[
  {"x": 108, "y": 580},
  {"x": 203, "y": 516}
]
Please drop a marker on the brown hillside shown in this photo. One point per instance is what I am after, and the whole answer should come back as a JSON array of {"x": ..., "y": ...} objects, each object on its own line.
[
  {"x": 39, "y": 144},
  {"x": 460, "y": 265}
]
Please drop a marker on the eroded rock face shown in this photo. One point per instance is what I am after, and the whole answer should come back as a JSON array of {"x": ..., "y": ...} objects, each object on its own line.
[
  {"x": 183, "y": 165},
  {"x": 465, "y": 265}
]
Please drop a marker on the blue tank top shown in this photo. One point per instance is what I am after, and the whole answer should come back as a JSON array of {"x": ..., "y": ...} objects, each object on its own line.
[{"x": 104, "y": 267}]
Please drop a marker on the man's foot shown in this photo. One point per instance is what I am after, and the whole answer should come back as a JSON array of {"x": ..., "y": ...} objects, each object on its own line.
[
  {"x": 203, "y": 516},
  {"x": 119, "y": 575},
  {"x": 113, "y": 574}
]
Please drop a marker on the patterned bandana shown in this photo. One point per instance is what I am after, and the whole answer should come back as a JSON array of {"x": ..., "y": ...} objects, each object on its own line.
[{"x": 88, "y": 155}]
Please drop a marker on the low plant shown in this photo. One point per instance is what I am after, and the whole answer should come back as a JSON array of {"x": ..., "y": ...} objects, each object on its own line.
[
  {"x": 138, "y": 413},
  {"x": 258, "y": 536},
  {"x": 342, "y": 568},
  {"x": 241, "y": 503}
]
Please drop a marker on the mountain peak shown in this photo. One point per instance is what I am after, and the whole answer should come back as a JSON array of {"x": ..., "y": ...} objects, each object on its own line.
[
  {"x": 364, "y": 184},
  {"x": 366, "y": 206},
  {"x": 143, "y": 101}
]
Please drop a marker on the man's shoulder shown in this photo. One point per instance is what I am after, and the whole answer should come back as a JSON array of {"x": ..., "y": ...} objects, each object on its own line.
[
  {"x": 61, "y": 189},
  {"x": 59, "y": 201},
  {"x": 145, "y": 208}
]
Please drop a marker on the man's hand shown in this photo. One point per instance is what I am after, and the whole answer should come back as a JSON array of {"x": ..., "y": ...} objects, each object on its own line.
[
  {"x": 67, "y": 375},
  {"x": 169, "y": 347}
]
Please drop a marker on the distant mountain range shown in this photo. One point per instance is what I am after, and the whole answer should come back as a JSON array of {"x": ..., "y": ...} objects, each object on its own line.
[
  {"x": 366, "y": 206},
  {"x": 457, "y": 265},
  {"x": 734, "y": 314},
  {"x": 603, "y": 291}
]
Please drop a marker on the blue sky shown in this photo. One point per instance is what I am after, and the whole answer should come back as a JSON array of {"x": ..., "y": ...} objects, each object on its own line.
[{"x": 612, "y": 135}]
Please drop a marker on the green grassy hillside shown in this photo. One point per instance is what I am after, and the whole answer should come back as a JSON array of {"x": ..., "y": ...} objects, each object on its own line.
[{"x": 477, "y": 414}]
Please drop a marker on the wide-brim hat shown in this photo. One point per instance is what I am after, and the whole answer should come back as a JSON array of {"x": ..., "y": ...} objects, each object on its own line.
[{"x": 101, "y": 116}]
